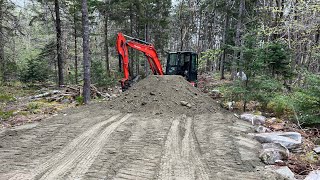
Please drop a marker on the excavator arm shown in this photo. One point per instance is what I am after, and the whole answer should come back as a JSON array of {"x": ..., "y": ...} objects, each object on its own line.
[{"x": 142, "y": 46}]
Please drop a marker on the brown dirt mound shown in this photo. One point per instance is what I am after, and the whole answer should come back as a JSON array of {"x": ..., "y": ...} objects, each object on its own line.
[{"x": 164, "y": 95}]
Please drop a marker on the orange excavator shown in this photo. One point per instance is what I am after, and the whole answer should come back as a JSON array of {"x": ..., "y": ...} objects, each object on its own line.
[
  {"x": 145, "y": 47},
  {"x": 182, "y": 63}
]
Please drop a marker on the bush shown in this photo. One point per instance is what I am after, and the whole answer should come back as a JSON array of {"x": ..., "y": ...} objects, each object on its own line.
[
  {"x": 80, "y": 100},
  {"x": 307, "y": 100},
  {"x": 35, "y": 71},
  {"x": 281, "y": 105}
]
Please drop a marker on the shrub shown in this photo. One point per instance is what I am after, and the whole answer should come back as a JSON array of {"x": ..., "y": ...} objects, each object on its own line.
[
  {"x": 281, "y": 105},
  {"x": 35, "y": 71},
  {"x": 307, "y": 100}
]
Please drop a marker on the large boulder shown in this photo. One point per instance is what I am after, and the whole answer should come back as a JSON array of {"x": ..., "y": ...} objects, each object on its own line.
[
  {"x": 253, "y": 119},
  {"x": 313, "y": 175},
  {"x": 273, "y": 152},
  {"x": 290, "y": 140},
  {"x": 283, "y": 171}
]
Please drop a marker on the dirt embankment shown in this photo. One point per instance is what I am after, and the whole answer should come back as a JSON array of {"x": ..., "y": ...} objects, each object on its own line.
[{"x": 164, "y": 95}]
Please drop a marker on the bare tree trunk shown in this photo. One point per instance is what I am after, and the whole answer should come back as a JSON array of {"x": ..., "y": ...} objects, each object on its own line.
[
  {"x": 2, "y": 63},
  {"x": 237, "y": 53},
  {"x": 131, "y": 60},
  {"x": 59, "y": 47},
  {"x": 86, "y": 52},
  {"x": 75, "y": 48},
  {"x": 146, "y": 68},
  {"x": 106, "y": 45},
  {"x": 225, "y": 36}
]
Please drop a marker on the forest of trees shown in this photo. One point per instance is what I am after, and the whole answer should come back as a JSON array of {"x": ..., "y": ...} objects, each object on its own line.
[{"x": 276, "y": 43}]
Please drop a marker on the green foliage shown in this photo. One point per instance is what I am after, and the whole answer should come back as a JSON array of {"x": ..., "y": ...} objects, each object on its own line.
[
  {"x": 275, "y": 56},
  {"x": 281, "y": 105},
  {"x": 33, "y": 106},
  {"x": 307, "y": 100},
  {"x": 260, "y": 89},
  {"x": 99, "y": 75},
  {"x": 211, "y": 55},
  {"x": 6, "y": 98},
  {"x": 265, "y": 67},
  {"x": 80, "y": 99},
  {"x": 36, "y": 71},
  {"x": 4, "y": 115}
]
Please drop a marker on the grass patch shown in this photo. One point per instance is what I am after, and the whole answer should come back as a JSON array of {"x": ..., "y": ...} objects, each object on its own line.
[
  {"x": 6, "y": 98},
  {"x": 4, "y": 115}
]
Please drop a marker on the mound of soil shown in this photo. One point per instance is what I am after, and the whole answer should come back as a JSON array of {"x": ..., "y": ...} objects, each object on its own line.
[{"x": 164, "y": 95}]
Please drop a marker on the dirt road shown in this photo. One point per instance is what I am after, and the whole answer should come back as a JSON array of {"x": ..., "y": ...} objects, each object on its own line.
[
  {"x": 98, "y": 143},
  {"x": 148, "y": 134}
]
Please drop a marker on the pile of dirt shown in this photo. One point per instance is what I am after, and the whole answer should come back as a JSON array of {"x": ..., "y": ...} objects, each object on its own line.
[{"x": 164, "y": 95}]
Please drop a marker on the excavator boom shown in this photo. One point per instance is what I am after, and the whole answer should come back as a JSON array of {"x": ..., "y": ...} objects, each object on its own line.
[{"x": 142, "y": 46}]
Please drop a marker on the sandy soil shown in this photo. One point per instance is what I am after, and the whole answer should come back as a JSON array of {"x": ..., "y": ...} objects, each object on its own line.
[{"x": 139, "y": 138}]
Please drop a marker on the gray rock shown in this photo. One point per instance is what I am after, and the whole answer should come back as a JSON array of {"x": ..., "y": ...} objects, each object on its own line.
[
  {"x": 65, "y": 101},
  {"x": 215, "y": 91},
  {"x": 273, "y": 153},
  {"x": 152, "y": 94},
  {"x": 262, "y": 129},
  {"x": 290, "y": 140},
  {"x": 184, "y": 103},
  {"x": 254, "y": 119},
  {"x": 313, "y": 175},
  {"x": 284, "y": 171},
  {"x": 317, "y": 150}
]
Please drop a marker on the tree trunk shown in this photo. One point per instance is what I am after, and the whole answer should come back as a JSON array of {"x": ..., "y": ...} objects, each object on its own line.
[
  {"x": 2, "y": 63},
  {"x": 146, "y": 68},
  {"x": 86, "y": 52},
  {"x": 225, "y": 36},
  {"x": 131, "y": 66},
  {"x": 106, "y": 45},
  {"x": 75, "y": 48},
  {"x": 59, "y": 47},
  {"x": 237, "y": 52}
]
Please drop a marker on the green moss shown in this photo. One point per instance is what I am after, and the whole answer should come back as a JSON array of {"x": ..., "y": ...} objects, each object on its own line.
[
  {"x": 4, "y": 115},
  {"x": 33, "y": 106},
  {"x": 6, "y": 98}
]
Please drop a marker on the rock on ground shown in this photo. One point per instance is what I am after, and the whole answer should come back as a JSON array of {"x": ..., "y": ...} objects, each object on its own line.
[
  {"x": 254, "y": 119},
  {"x": 313, "y": 175},
  {"x": 317, "y": 150},
  {"x": 273, "y": 152},
  {"x": 290, "y": 140},
  {"x": 284, "y": 171},
  {"x": 262, "y": 129}
]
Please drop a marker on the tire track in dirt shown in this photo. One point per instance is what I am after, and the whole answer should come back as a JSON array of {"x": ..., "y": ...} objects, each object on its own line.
[
  {"x": 77, "y": 155},
  {"x": 219, "y": 142},
  {"x": 87, "y": 160},
  {"x": 134, "y": 150},
  {"x": 182, "y": 159},
  {"x": 144, "y": 147}
]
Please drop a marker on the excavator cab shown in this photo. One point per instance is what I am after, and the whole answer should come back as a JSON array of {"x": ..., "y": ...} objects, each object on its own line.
[{"x": 183, "y": 63}]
